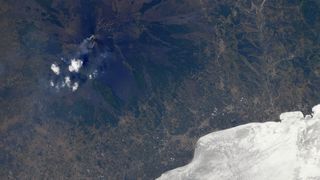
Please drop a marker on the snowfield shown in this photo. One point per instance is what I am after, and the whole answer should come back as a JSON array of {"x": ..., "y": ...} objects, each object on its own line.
[{"x": 286, "y": 150}]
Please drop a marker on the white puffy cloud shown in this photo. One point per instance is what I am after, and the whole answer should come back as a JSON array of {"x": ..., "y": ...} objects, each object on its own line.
[
  {"x": 51, "y": 83},
  {"x": 55, "y": 69},
  {"x": 75, "y": 65},
  {"x": 65, "y": 83},
  {"x": 72, "y": 85},
  {"x": 75, "y": 86}
]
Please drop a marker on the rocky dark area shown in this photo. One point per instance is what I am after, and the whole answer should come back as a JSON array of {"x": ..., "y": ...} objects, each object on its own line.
[{"x": 175, "y": 70}]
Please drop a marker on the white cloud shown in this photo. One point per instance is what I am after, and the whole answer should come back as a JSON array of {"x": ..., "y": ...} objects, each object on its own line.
[
  {"x": 55, "y": 68},
  {"x": 93, "y": 75},
  {"x": 51, "y": 83},
  {"x": 289, "y": 150},
  {"x": 75, "y": 65},
  {"x": 67, "y": 81},
  {"x": 75, "y": 86}
]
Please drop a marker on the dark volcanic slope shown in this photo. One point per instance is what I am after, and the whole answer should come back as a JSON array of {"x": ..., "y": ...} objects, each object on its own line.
[{"x": 173, "y": 70}]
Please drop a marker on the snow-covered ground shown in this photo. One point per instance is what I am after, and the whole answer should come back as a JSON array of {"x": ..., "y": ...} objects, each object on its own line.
[{"x": 286, "y": 150}]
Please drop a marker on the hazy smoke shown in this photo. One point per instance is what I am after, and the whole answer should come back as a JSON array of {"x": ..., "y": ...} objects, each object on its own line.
[{"x": 87, "y": 45}]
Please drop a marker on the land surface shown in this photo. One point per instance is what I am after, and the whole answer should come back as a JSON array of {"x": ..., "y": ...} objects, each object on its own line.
[{"x": 175, "y": 71}]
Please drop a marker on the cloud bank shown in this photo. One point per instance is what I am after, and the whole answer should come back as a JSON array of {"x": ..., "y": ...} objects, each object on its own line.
[{"x": 286, "y": 150}]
